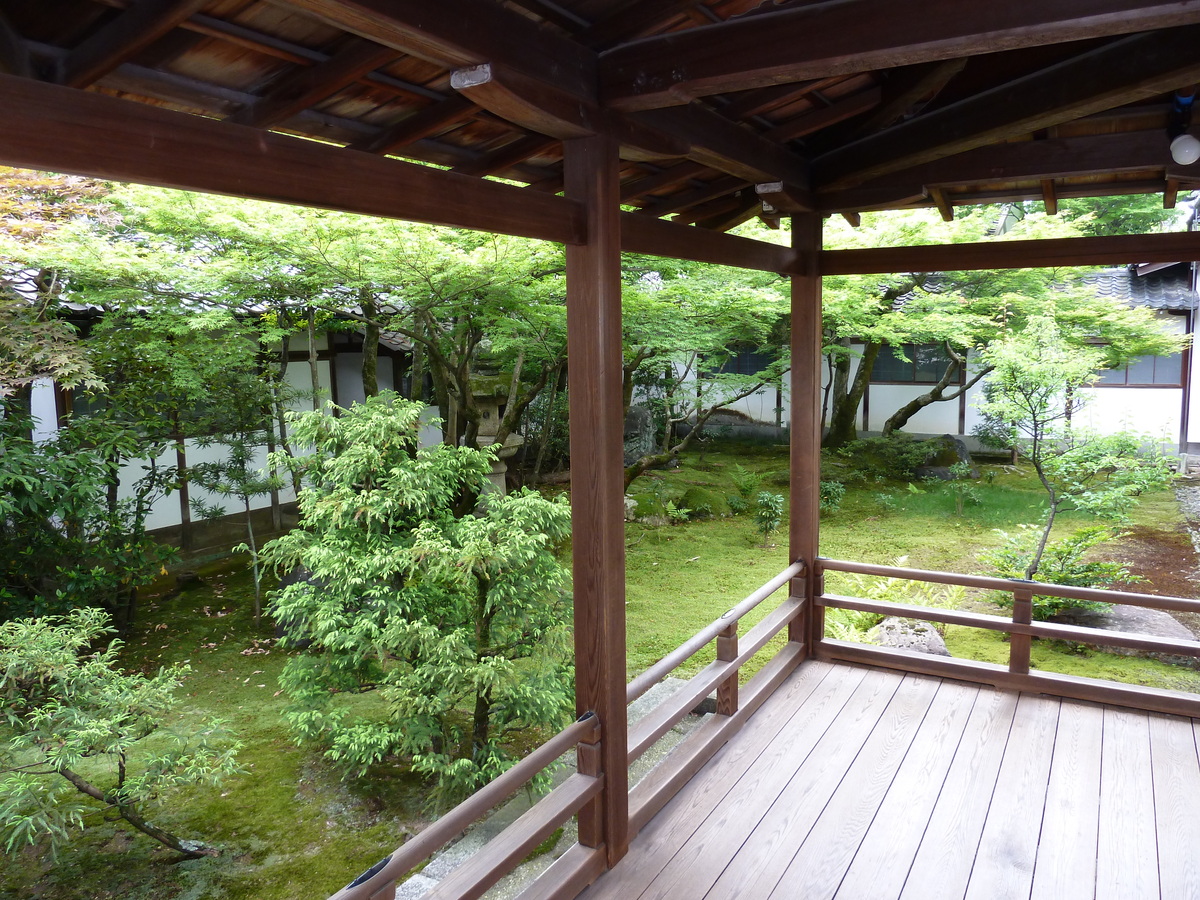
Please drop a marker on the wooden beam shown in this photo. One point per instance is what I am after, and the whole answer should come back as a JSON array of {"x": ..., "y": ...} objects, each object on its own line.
[
  {"x": 911, "y": 90},
  {"x": 138, "y": 26},
  {"x": 754, "y": 103},
  {"x": 741, "y": 209},
  {"x": 509, "y": 155},
  {"x": 14, "y": 53},
  {"x": 460, "y": 33},
  {"x": 1084, "y": 251},
  {"x": 1049, "y": 198},
  {"x": 658, "y": 237},
  {"x": 1121, "y": 72},
  {"x": 668, "y": 177},
  {"x": 422, "y": 124},
  {"x": 723, "y": 145},
  {"x": 810, "y": 123},
  {"x": 547, "y": 110},
  {"x": 1171, "y": 194},
  {"x": 778, "y": 195},
  {"x": 807, "y": 340},
  {"x": 822, "y": 39},
  {"x": 944, "y": 207},
  {"x": 597, "y": 478},
  {"x": 306, "y": 86},
  {"x": 44, "y": 126},
  {"x": 718, "y": 187}
]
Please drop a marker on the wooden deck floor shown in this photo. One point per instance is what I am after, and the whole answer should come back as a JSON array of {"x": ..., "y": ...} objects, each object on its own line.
[{"x": 864, "y": 784}]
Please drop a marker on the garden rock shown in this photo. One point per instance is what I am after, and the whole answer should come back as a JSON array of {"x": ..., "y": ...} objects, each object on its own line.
[
  {"x": 910, "y": 634},
  {"x": 947, "y": 451},
  {"x": 1133, "y": 620}
]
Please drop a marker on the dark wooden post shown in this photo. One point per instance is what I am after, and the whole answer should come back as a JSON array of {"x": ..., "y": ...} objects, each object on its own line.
[
  {"x": 806, "y": 421},
  {"x": 1019, "y": 645},
  {"x": 597, "y": 477},
  {"x": 727, "y": 690}
]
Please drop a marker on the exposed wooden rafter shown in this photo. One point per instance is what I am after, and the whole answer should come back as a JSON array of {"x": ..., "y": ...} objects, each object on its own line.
[
  {"x": 306, "y": 86},
  {"x": 823, "y": 39},
  {"x": 14, "y": 54},
  {"x": 133, "y": 29},
  {"x": 422, "y": 124},
  {"x": 461, "y": 33},
  {"x": 1120, "y": 72}
]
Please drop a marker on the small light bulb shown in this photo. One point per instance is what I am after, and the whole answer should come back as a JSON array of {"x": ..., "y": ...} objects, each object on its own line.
[{"x": 1185, "y": 149}]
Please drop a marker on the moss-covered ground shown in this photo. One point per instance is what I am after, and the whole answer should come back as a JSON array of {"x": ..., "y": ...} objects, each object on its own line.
[{"x": 290, "y": 828}]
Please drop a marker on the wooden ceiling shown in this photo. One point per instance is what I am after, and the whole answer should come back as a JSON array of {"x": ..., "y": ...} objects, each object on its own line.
[{"x": 718, "y": 106}]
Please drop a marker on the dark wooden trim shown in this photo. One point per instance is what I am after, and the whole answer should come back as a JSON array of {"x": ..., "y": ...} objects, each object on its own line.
[
  {"x": 672, "y": 710},
  {"x": 1131, "y": 69},
  {"x": 45, "y": 126},
  {"x": 657, "y": 237},
  {"x": 592, "y": 177},
  {"x": 821, "y": 39},
  {"x": 425, "y": 123},
  {"x": 1001, "y": 254},
  {"x": 1093, "y": 690},
  {"x": 306, "y": 86},
  {"x": 505, "y": 851},
  {"x": 654, "y": 791},
  {"x": 805, "y": 426},
  {"x": 568, "y": 875},
  {"x": 134, "y": 28},
  {"x": 689, "y": 648},
  {"x": 458, "y": 33},
  {"x": 14, "y": 53}
]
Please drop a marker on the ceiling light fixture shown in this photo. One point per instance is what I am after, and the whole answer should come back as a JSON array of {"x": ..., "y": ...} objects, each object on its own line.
[{"x": 1185, "y": 149}]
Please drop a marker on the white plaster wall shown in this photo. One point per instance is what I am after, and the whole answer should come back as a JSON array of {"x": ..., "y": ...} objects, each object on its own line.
[
  {"x": 1152, "y": 411},
  {"x": 44, "y": 408},
  {"x": 885, "y": 399},
  {"x": 299, "y": 379},
  {"x": 349, "y": 377}
]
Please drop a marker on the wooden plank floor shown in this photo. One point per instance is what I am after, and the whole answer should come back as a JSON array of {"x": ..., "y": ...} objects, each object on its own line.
[{"x": 865, "y": 784}]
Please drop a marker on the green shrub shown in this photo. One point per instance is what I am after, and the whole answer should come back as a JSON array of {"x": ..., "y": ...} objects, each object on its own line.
[
  {"x": 1062, "y": 563},
  {"x": 768, "y": 513},
  {"x": 832, "y": 493},
  {"x": 896, "y": 456}
]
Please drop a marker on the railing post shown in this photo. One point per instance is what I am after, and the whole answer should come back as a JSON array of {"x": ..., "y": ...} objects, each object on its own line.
[
  {"x": 727, "y": 690},
  {"x": 818, "y": 608},
  {"x": 587, "y": 762},
  {"x": 1019, "y": 644},
  {"x": 805, "y": 421}
]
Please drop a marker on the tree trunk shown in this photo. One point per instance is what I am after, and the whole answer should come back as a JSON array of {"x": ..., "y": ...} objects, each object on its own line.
[
  {"x": 481, "y": 718},
  {"x": 936, "y": 394},
  {"x": 314, "y": 370},
  {"x": 190, "y": 849},
  {"x": 843, "y": 421},
  {"x": 370, "y": 350}
]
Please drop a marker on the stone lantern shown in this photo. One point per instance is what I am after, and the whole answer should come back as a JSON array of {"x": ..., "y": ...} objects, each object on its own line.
[{"x": 490, "y": 388}]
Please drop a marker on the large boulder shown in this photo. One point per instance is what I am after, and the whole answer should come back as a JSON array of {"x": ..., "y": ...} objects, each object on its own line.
[
  {"x": 910, "y": 634},
  {"x": 947, "y": 451}
]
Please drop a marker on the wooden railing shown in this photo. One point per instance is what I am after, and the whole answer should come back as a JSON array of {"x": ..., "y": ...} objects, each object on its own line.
[
  {"x": 580, "y": 865},
  {"x": 1022, "y": 629}
]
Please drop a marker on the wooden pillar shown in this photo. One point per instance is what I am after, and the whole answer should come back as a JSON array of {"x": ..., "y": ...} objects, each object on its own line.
[
  {"x": 806, "y": 342},
  {"x": 597, "y": 477}
]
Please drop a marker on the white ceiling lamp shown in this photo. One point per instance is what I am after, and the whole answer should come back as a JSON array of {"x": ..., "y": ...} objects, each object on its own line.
[{"x": 1185, "y": 149}]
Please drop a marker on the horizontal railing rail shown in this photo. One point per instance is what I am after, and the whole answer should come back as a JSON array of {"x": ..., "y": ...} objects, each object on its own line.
[
  {"x": 378, "y": 882},
  {"x": 504, "y": 852},
  {"x": 689, "y": 648},
  {"x": 1021, "y": 629}
]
